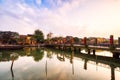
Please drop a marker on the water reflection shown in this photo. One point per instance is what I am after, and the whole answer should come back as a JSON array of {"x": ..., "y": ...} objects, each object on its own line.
[
  {"x": 55, "y": 64},
  {"x": 49, "y": 53},
  {"x": 13, "y": 56},
  {"x": 61, "y": 57},
  {"x": 46, "y": 69},
  {"x": 12, "y": 70},
  {"x": 113, "y": 63},
  {"x": 71, "y": 60},
  {"x": 112, "y": 72},
  {"x": 85, "y": 64},
  {"x": 37, "y": 53},
  {"x": 98, "y": 59}
]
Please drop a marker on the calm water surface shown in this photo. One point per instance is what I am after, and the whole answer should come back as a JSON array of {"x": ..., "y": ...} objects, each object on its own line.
[{"x": 49, "y": 64}]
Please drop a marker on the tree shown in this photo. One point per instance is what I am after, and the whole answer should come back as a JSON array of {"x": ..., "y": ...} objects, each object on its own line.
[
  {"x": 49, "y": 35},
  {"x": 76, "y": 40},
  {"x": 9, "y": 37},
  {"x": 39, "y": 36}
]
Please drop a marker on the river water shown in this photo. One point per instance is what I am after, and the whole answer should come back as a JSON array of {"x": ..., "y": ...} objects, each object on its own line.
[{"x": 50, "y": 64}]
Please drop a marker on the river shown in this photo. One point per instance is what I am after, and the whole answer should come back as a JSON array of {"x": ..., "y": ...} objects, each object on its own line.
[{"x": 51, "y": 64}]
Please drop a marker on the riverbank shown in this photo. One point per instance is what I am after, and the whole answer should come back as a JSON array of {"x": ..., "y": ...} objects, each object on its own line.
[
  {"x": 11, "y": 47},
  {"x": 15, "y": 47}
]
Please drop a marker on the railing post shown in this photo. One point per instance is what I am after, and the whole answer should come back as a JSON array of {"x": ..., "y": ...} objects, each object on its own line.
[
  {"x": 118, "y": 41},
  {"x": 79, "y": 50},
  {"x": 85, "y": 42},
  {"x": 111, "y": 41},
  {"x": 88, "y": 51},
  {"x": 95, "y": 41}
]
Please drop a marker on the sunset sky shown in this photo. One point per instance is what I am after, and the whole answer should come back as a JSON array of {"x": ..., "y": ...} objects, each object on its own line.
[{"x": 90, "y": 18}]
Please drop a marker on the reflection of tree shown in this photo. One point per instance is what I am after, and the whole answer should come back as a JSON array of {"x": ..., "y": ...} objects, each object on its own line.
[
  {"x": 21, "y": 52},
  {"x": 28, "y": 51},
  {"x": 37, "y": 54},
  {"x": 12, "y": 73},
  {"x": 13, "y": 56},
  {"x": 60, "y": 56},
  {"x": 6, "y": 55},
  {"x": 49, "y": 54}
]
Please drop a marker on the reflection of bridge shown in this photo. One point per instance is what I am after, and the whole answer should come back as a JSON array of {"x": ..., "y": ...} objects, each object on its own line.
[
  {"x": 107, "y": 62},
  {"x": 89, "y": 48},
  {"x": 111, "y": 62}
]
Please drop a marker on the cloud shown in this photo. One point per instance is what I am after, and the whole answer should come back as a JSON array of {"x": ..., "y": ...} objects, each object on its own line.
[
  {"x": 63, "y": 17},
  {"x": 38, "y": 2}
]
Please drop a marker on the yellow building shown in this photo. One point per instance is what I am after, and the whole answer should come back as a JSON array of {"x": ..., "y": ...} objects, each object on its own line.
[
  {"x": 101, "y": 40},
  {"x": 30, "y": 40},
  {"x": 27, "y": 40}
]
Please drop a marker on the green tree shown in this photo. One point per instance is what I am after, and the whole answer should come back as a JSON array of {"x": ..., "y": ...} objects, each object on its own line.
[
  {"x": 9, "y": 37},
  {"x": 76, "y": 40},
  {"x": 39, "y": 36}
]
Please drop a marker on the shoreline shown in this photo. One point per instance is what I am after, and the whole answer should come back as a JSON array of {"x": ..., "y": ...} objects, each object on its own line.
[
  {"x": 16, "y": 47},
  {"x": 11, "y": 47}
]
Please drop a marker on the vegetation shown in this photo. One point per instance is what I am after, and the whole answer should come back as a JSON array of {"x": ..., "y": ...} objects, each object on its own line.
[
  {"x": 39, "y": 36},
  {"x": 76, "y": 40},
  {"x": 9, "y": 37}
]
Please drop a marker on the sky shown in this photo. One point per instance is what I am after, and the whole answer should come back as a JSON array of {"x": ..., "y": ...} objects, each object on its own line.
[{"x": 78, "y": 18}]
